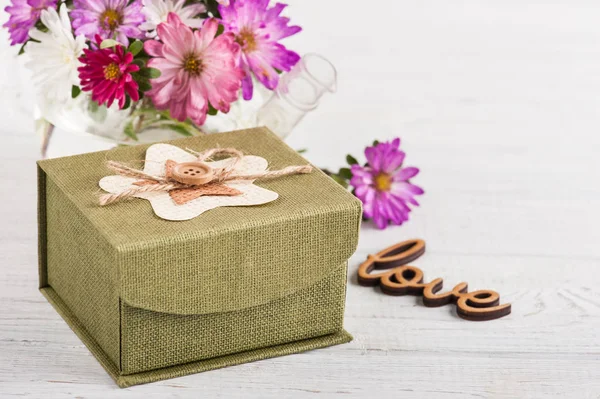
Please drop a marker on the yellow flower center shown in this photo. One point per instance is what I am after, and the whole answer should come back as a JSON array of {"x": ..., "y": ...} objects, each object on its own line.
[
  {"x": 110, "y": 19},
  {"x": 247, "y": 40},
  {"x": 112, "y": 72},
  {"x": 383, "y": 182},
  {"x": 192, "y": 65}
]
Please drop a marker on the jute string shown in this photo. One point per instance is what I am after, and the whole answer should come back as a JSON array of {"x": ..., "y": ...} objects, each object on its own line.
[{"x": 220, "y": 175}]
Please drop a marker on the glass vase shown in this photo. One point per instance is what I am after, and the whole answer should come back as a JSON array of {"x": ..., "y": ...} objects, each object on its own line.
[
  {"x": 83, "y": 120},
  {"x": 298, "y": 93},
  {"x": 80, "y": 125}
]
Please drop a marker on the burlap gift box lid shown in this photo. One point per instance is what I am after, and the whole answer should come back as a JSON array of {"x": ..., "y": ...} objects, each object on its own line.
[{"x": 154, "y": 299}]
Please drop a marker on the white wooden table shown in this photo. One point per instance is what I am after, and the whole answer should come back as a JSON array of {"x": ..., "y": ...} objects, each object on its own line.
[{"x": 497, "y": 103}]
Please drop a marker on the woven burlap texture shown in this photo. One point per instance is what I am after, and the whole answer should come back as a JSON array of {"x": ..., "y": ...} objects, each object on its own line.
[
  {"x": 232, "y": 280},
  {"x": 124, "y": 381}
]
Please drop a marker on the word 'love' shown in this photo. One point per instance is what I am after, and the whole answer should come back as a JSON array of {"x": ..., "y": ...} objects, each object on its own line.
[{"x": 408, "y": 280}]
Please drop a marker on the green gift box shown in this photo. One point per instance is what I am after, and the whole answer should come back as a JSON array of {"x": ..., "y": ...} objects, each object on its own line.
[{"x": 155, "y": 299}]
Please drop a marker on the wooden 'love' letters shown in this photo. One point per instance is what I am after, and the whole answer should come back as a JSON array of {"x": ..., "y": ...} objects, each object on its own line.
[{"x": 408, "y": 280}]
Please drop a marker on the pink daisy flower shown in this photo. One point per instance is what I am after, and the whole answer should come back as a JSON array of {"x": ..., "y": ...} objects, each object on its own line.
[
  {"x": 108, "y": 18},
  {"x": 197, "y": 69},
  {"x": 24, "y": 14},
  {"x": 258, "y": 30},
  {"x": 107, "y": 74},
  {"x": 383, "y": 184}
]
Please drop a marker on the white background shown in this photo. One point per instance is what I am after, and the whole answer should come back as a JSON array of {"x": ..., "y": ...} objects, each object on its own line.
[{"x": 497, "y": 102}]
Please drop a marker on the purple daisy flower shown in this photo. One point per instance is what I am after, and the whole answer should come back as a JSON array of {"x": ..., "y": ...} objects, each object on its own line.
[
  {"x": 108, "y": 18},
  {"x": 383, "y": 184},
  {"x": 258, "y": 30},
  {"x": 24, "y": 14}
]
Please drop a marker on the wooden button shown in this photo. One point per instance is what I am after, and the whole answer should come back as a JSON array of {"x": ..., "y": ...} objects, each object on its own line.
[{"x": 194, "y": 173}]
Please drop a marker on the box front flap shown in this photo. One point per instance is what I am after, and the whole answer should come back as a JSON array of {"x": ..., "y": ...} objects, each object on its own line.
[{"x": 228, "y": 258}]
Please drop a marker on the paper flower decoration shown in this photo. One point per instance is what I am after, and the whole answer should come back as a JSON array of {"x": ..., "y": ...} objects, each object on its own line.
[{"x": 179, "y": 205}]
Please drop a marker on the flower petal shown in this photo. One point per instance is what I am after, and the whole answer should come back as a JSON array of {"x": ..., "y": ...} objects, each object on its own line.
[{"x": 405, "y": 173}]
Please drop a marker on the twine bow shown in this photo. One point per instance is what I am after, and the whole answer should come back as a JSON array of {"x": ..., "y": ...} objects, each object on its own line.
[{"x": 220, "y": 175}]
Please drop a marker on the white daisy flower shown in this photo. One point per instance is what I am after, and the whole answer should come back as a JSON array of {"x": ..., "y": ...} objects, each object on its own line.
[
  {"x": 54, "y": 60},
  {"x": 156, "y": 12}
]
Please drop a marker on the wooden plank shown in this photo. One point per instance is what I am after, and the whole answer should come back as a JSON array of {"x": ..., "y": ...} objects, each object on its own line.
[{"x": 497, "y": 103}]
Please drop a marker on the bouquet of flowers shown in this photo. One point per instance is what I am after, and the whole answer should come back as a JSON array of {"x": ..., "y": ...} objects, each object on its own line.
[{"x": 170, "y": 62}]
